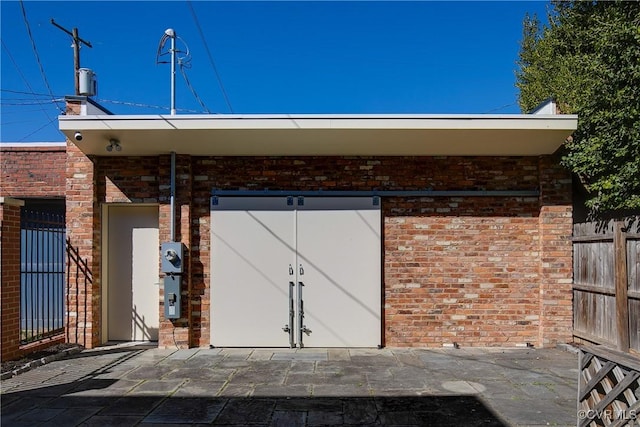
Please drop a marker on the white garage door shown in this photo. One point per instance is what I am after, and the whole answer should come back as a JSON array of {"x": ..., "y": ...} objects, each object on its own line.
[{"x": 295, "y": 271}]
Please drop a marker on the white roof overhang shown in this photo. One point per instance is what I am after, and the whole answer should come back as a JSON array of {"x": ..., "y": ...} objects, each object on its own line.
[{"x": 321, "y": 135}]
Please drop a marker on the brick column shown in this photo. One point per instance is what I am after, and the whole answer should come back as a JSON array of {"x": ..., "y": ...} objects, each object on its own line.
[
  {"x": 177, "y": 332},
  {"x": 82, "y": 215},
  {"x": 556, "y": 257},
  {"x": 10, "y": 274},
  {"x": 83, "y": 233}
]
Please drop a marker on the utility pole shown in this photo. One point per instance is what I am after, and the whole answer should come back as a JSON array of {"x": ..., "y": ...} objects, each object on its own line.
[{"x": 76, "y": 52}]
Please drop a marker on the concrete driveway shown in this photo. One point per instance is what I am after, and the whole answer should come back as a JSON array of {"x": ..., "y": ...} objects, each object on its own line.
[{"x": 129, "y": 385}]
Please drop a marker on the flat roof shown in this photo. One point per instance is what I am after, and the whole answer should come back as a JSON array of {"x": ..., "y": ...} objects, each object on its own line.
[
  {"x": 321, "y": 134},
  {"x": 33, "y": 144}
]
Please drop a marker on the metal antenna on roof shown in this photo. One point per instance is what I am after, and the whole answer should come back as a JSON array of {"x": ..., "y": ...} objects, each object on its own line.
[
  {"x": 169, "y": 33},
  {"x": 178, "y": 57}
]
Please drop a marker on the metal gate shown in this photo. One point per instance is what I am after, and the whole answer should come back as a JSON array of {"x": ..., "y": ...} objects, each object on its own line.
[{"x": 42, "y": 266}]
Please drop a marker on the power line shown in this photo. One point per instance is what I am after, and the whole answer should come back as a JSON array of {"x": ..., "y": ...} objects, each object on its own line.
[
  {"x": 22, "y": 92},
  {"x": 500, "y": 108},
  {"x": 24, "y": 101},
  {"x": 100, "y": 100},
  {"x": 193, "y": 91},
  {"x": 213, "y": 64},
  {"x": 16, "y": 122},
  {"x": 38, "y": 130},
  {"x": 26, "y": 82},
  {"x": 137, "y": 104},
  {"x": 21, "y": 112},
  {"x": 35, "y": 51}
]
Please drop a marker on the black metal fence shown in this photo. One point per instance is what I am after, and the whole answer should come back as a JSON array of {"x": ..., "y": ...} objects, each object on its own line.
[{"x": 42, "y": 281}]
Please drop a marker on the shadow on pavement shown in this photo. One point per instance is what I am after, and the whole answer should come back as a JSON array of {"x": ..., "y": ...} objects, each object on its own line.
[{"x": 96, "y": 402}]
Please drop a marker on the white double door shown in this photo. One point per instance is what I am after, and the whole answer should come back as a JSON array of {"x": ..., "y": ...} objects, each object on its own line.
[{"x": 290, "y": 271}]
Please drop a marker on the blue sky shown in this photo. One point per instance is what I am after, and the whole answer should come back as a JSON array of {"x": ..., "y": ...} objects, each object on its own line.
[{"x": 422, "y": 57}]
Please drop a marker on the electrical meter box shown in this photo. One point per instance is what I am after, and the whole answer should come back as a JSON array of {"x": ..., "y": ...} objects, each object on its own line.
[
  {"x": 172, "y": 257},
  {"x": 172, "y": 297}
]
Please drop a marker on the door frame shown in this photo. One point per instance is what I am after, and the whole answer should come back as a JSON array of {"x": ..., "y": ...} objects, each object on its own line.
[{"x": 104, "y": 263}]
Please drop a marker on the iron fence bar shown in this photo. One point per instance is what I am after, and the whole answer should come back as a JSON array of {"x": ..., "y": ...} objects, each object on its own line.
[
  {"x": 39, "y": 291},
  {"x": 42, "y": 275},
  {"x": 32, "y": 317},
  {"x": 49, "y": 317}
]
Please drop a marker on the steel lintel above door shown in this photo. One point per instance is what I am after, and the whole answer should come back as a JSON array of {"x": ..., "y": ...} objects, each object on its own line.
[{"x": 371, "y": 193}]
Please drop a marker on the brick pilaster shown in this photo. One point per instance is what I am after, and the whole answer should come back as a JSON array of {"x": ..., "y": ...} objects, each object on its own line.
[
  {"x": 178, "y": 332},
  {"x": 83, "y": 234},
  {"x": 10, "y": 275},
  {"x": 556, "y": 225}
]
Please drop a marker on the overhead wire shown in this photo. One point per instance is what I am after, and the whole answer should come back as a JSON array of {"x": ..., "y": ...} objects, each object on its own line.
[
  {"x": 35, "y": 51},
  {"x": 22, "y": 92},
  {"x": 26, "y": 82},
  {"x": 137, "y": 104},
  {"x": 500, "y": 108},
  {"x": 193, "y": 91},
  {"x": 18, "y": 111},
  {"x": 37, "y": 130},
  {"x": 22, "y": 101},
  {"x": 213, "y": 64},
  {"x": 185, "y": 63},
  {"x": 100, "y": 100}
]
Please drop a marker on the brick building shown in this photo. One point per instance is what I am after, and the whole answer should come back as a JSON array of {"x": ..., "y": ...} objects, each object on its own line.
[
  {"x": 319, "y": 230},
  {"x": 32, "y": 177}
]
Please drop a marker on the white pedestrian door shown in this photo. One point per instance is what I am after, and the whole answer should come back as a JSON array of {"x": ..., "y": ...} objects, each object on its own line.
[
  {"x": 290, "y": 271},
  {"x": 132, "y": 273}
]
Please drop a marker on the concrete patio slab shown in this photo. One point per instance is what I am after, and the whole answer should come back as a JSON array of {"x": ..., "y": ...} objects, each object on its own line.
[{"x": 133, "y": 385}]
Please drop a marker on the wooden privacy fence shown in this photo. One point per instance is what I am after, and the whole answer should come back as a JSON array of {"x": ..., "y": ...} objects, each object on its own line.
[{"x": 606, "y": 283}]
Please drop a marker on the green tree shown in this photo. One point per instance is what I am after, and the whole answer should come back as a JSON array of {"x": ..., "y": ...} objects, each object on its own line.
[{"x": 587, "y": 58}]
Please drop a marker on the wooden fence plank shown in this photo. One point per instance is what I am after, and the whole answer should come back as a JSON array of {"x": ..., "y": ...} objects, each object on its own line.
[
  {"x": 633, "y": 264},
  {"x": 634, "y": 324},
  {"x": 620, "y": 278}
]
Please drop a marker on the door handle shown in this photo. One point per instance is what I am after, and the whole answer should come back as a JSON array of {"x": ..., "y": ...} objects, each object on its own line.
[
  {"x": 290, "y": 328},
  {"x": 300, "y": 315}
]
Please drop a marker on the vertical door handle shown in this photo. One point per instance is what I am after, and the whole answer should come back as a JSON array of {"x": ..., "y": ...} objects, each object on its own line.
[
  {"x": 290, "y": 328},
  {"x": 300, "y": 315}
]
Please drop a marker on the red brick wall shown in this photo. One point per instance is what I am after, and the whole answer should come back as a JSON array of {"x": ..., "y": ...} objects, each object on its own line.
[
  {"x": 478, "y": 271},
  {"x": 463, "y": 270},
  {"x": 556, "y": 262},
  {"x": 33, "y": 171},
  {"x": 83, "y": 233},
  {"x": 463, "y": 278},
  {"x": 10, "y": 272}
]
